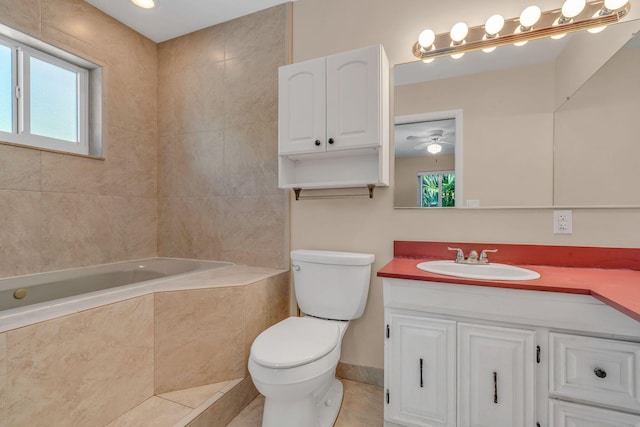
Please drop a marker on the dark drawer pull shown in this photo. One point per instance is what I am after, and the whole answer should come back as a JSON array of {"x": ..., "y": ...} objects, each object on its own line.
[
  {"x": 331, "y": 140},
  {"x": 495, "y": 387},
  {"x": 421, "y": 378},
  {"x": 600, "y": 373},
  {"x": 317, "y": 142}
]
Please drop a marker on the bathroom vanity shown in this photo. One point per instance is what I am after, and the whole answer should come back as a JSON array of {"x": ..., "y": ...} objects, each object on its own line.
[{"x": 558, "y": 351}]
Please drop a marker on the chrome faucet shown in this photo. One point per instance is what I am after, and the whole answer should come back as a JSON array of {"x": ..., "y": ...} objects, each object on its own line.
[{"x": 473, "y": 256}]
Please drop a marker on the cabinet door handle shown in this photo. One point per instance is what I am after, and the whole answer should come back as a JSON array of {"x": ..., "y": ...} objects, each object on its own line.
[
  {"x": 317, "y": 142},
  {"x": 331, "y": 140},
  {"x": 495, "y": 387},
  {"x": 421, "y": 378},
  {"x": 600, "y": 373}
]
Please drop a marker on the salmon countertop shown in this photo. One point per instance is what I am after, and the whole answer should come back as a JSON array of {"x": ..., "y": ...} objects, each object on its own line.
[{"x": 618, "y": 287}]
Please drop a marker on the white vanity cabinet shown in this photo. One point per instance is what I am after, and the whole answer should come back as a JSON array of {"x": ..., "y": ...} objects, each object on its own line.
[
  {"x": 422, "y": 365},
  {"x": 495, "y": 376},
  {"x": 333, "y": 124},
  {"x": 478, "y": 356}
]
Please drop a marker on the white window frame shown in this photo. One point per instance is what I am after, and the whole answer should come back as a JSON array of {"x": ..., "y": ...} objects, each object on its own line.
[
  {"x": 441, "y": 174},
  {"x": 21, "y": 132}
]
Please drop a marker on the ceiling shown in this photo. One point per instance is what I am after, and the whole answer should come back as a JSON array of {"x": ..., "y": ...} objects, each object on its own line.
[
  {"x": 173, "y": 18},
  {"x": 411, "y": 138}
]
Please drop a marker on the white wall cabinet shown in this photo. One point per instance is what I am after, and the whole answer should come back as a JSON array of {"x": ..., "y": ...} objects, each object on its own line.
[
  {"x": 333, "y": 125},
  {"x": 494, "y": 357}
]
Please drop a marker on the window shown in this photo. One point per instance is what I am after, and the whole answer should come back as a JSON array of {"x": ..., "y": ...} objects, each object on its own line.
[
  {"x": 436, "y": 189},
  {"x": 44, "y": 100}
]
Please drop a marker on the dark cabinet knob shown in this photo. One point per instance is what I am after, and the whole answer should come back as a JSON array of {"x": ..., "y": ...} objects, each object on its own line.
[
  {"x": 331, "y": 141},
  {"x": 600, "y": 373},
  {"x": 317, "y": 142}
]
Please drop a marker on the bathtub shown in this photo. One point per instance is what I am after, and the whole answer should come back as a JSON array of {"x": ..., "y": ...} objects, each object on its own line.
[{"x": 42, "y": 288}]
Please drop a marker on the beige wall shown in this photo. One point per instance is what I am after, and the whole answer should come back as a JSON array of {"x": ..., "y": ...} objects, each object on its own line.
[
  {"x": 60, "y": 211},
  {"x": 218, "y": 190},
  {"x": 373, "y": 225}
]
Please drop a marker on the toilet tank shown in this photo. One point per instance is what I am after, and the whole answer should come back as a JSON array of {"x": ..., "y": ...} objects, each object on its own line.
[{"x": 331, "y": 285}]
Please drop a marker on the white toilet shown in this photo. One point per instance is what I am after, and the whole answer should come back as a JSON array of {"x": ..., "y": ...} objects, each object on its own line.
[{"x": 293, "y": 363}]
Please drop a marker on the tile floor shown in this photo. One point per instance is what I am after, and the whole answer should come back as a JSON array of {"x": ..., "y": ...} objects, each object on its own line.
[{"x": 362, "y": 406}]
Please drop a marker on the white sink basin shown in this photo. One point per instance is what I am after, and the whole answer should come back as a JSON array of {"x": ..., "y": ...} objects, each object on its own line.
[{"x": 491, "y": 271}]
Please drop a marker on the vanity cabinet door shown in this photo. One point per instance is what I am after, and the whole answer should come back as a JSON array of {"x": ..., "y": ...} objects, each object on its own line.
[
  {"x": 420, "y": 367},
  {"x": 354, "y": 99},
  {"x": 496, "y": 379},
  {"x": 302, "y": 108},
  {"x": 566, "y": 414}
]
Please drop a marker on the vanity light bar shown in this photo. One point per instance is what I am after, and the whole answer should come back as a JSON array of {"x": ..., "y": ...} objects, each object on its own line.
[{"x": 594, "y": 15}]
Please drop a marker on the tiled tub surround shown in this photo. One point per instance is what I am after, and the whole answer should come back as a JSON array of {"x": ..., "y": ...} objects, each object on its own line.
[
  {"x": 610, "y": 275},
  {"x": 89, "y": 362}
]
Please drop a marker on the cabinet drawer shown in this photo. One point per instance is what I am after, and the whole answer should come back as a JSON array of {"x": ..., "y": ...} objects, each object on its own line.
[
  {"x": 565, "y": 414},
  {"x": 595, "y": 370}
]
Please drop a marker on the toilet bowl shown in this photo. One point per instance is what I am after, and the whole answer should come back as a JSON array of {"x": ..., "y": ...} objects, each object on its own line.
[{"x": 293, "y": 363}]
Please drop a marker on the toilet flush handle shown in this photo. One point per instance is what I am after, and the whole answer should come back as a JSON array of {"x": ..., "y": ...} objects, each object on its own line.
[{"x": 296, "y": 267}]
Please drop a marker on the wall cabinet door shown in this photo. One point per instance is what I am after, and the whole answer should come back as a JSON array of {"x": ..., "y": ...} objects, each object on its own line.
[
  {"x": 354, "y": 99},
  {"x": 302, "y": 108},
  {"x": 420, "y": 363},
  {"x": 496, "y": 382}
]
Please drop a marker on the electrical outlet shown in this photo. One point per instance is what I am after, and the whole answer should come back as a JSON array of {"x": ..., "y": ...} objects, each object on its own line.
[{"x": 562, "y": 222}]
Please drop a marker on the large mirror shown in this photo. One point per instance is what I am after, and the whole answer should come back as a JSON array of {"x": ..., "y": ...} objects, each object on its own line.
[{"x": 551, "y": 123}]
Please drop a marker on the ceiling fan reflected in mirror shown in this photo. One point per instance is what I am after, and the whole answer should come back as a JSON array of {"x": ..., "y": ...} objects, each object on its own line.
[{"x": 433, "y": 141}]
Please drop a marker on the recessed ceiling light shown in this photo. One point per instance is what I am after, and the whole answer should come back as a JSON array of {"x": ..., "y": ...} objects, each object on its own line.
[{"x": 145, "y": 4}]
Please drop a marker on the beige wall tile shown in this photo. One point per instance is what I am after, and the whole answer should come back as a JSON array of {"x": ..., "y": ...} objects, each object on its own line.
[
  {"x": 201, "y": 47},
  {"x": 20, "y": 232},
  {"x": 267, "y": 26},
  {"x": 251, "y": 160},
  {"x": 192, "y": 100},
  {"x": 251, "y": 94},
  {"x": 199, "y": 337},
  {"x": 192, "y": 164},
  {"x": 23, "y": 15},
  {"x": 253, "y": 230},
  {"x": 81, "y": 230},
  {"x": 195, "y": 396},
  {"x": 190, "y": 227},
  {"x": 3, "y": 380},
  {"x": 19, "y": 168},
  {"x": 83, "y": 369},
  {"x": 267, "y": 304}
]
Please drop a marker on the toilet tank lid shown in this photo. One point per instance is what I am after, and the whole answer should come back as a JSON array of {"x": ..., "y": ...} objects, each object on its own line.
[{"x": 332, "y": 257}]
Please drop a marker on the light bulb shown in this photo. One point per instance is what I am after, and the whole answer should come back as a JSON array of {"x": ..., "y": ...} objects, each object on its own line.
[
  {"x": 428, "y": 60},
  {"x": 494, "y": 24},
  {"x": 459, "y": 32},
  {"x": 434, "y": 148},
  {"x": 145, "y": 4},
  {"x": 457, "y": 55},
  {"x": 572, "y": 8},
  {"x": 530, "y": 16},
  {"x": 426, "y": 38},
  {"x": 614, "y": 4}
]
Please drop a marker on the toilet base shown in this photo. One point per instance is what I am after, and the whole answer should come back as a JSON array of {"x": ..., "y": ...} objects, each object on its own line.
[{"x": 309, "y": 411}]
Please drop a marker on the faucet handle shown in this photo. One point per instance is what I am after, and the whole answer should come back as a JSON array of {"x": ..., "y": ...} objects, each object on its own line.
[
  {"x": 459, "y": 254},
  {"x": 483, "y": 255}
]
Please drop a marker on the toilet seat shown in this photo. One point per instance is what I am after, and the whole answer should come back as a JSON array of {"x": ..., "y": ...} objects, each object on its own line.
[{"x": 295, "y": 341}]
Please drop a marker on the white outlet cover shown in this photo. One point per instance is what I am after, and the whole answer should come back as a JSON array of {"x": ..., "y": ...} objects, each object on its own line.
[{"x": 562, "y": 222}]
